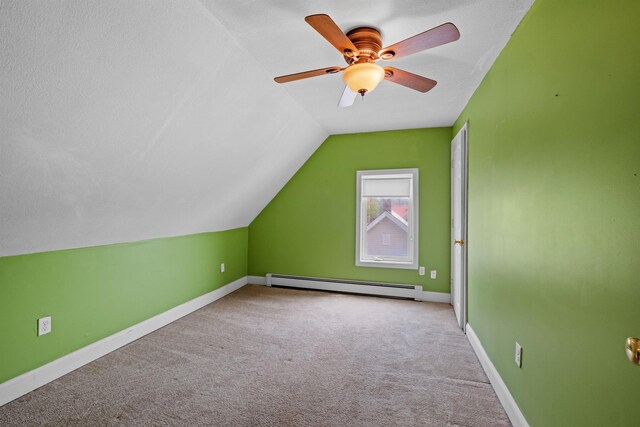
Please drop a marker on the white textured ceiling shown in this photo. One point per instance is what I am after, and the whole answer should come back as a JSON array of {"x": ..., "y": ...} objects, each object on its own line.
[
  {"x": 275, "y": 33},
  {"x": 127, "y": 120}
]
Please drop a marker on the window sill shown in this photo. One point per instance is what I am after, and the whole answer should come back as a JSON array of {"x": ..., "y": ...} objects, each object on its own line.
[{"x": 388, "y": 264}]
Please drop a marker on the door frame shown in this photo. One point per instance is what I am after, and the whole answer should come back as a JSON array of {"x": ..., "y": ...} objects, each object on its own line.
[{"x": 464, "y": 148}]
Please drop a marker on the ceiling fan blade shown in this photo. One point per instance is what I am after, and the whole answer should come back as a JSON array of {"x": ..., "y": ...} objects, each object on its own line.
[
  {"x": 329, "y": 30},
  {"x": 307, "y": 74},
  {"x": 347, "y": 98},
  {"x": 410, "y": 80},
  {"x": 437, "y": 36}
]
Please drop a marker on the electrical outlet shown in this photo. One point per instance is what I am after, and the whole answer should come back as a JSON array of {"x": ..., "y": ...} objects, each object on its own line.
[
  {"x": 518, "y": 355},
  {"x": 421, "y": 271},
  {"x": 222, "y": 268},
  {"x": 44, "y": 325},
  {"x": 433, "y": 274}
]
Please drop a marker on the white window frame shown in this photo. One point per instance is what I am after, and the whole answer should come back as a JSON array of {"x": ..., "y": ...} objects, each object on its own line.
[{"x": 411, "y": 261}]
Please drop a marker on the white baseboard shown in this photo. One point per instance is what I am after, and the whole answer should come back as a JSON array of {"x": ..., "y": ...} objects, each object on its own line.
[
  {"x": 23, "y": 384},
  {"x": 436, "y": 297},
  {"x": 507, "y": 400},
  {"x": 256, "y": 280}
]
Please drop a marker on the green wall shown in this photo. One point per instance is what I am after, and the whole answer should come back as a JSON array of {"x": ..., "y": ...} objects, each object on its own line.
[
  {"x": 94, "y": 292},
  {"x": 554, "y": 212},
  {"x": 309, "y": 227}
]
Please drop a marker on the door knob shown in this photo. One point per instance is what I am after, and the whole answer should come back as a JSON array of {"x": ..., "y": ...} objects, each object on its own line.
[
  {"x": 458, "y": 242},
  {"x": 633, "y": 350}
]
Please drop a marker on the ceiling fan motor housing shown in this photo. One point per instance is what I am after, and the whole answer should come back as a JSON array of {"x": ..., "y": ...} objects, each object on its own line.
[{"x": 368, "y": 41}]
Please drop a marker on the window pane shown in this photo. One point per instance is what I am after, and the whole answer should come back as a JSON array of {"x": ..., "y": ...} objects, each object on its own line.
[{"x": 387, "y": 226}]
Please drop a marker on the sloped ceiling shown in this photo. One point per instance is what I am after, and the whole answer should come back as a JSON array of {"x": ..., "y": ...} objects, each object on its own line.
[{"x": 127, "y": 120}]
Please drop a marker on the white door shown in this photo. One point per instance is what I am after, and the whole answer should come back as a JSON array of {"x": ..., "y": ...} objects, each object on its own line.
[{"x": 459, "y": 226}]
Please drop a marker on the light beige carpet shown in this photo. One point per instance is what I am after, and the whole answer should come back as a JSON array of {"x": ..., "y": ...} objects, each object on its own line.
[{"x": 278, "y": 357}]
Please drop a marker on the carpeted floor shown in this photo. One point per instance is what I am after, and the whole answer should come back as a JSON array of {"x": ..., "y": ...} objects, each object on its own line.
[{"x": 279, "y": 357}]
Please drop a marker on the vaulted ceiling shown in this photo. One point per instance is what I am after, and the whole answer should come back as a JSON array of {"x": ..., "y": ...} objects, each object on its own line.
[{"x": 128, "y": 120}]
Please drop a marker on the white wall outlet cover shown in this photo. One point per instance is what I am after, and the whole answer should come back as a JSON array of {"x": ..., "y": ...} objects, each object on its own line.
[
  {"x": 421, "y": 271},
  {"x": 222, "y": 268},
  {"x": 433, "y": 274},
  {"x": 44, "y": 325},
  {"x": 518, "y": 355}
]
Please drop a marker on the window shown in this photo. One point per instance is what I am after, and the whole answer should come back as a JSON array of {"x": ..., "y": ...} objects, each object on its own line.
[{"x": 386, "y": 223}]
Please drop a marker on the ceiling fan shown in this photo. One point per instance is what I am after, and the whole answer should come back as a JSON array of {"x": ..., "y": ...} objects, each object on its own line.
[{"x": 362, "y": 47}]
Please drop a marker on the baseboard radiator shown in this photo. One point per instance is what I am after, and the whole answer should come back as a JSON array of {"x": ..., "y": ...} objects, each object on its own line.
[{"x": 348, "y": 286}]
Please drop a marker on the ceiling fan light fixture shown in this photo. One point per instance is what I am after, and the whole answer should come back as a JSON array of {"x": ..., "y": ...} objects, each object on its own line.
[{"x": 363, "y": 77}]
